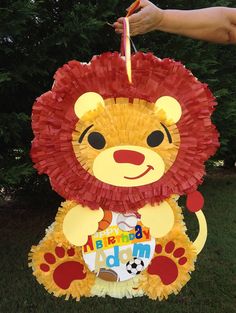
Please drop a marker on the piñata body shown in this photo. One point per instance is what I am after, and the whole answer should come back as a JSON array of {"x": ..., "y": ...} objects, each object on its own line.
[{"x": 121, "y": 154}]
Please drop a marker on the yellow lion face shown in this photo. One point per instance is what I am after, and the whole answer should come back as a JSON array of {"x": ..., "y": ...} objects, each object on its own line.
[{"x": 126, "y": 144}]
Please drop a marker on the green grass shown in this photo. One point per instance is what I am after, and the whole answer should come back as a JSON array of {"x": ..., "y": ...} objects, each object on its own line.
[{"x": 211, "y": 289}]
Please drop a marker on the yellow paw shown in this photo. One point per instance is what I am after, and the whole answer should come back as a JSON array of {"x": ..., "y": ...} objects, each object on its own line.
[
  {"x": 159, "y": 218},
  {"x": 81, "y": 222}
]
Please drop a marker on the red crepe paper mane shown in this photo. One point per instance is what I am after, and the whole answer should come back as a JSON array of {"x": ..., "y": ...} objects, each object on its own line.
[{"x": 54, "y": 121}]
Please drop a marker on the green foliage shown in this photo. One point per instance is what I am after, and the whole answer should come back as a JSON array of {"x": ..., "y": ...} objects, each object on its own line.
[
  {"x": 13, "y": 176},
  {"x": 37, "y": 37},
  {"x": 15, "y": 136}
]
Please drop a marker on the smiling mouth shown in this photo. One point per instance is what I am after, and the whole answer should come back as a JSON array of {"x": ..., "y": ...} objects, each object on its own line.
[{"x": 149, "y": 168}]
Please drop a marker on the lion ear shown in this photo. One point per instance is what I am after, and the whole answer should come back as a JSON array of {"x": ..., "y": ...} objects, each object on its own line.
[
  {"x": 170, "y": 106},
  {"x": 88, "y": 101}
]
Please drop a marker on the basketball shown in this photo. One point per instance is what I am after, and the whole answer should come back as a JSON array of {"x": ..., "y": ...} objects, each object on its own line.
[{"x": 106, "y": 221}]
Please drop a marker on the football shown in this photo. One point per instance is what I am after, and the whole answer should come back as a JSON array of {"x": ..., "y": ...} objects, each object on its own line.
[
  {"x": 108, "y": 274},
  {"x": 135, "y": 266}
]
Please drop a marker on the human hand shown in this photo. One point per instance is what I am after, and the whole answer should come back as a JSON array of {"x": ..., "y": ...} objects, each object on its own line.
[{"x": 144, "y": 21}]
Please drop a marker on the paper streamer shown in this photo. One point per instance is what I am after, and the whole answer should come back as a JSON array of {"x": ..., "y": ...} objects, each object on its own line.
[
  {"x": 133, "y": 8},
  {"x": 127, "y": 48}
]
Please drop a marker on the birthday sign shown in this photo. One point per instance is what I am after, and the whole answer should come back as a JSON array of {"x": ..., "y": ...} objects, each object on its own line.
[{"x": 117, "y": 255}]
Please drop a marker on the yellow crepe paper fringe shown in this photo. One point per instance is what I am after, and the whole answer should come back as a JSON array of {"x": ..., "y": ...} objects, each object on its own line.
[
  {"x": 152, "y": 284},
  {"x": 105, "y": 74},
  {"x": 128, "y": 288},
  {"x": 77, "y": 288},
  {"x": 143, "y": 284},
  {"x": 179, "y": 225},
  {"x": 128, "y": 122}
]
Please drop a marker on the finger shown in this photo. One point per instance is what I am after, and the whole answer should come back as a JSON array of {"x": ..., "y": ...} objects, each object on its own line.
[
  {"x": 120, "y": 19},
  {"x": 119, "y": 31},
  {"x": 118, "y": 25}
]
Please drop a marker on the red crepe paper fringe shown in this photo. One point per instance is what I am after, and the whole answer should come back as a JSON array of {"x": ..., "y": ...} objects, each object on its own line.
[{"x": 54, "y": 120}]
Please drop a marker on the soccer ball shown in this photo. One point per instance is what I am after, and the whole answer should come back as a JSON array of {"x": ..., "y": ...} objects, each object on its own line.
[{"x": 134, "y": 266}]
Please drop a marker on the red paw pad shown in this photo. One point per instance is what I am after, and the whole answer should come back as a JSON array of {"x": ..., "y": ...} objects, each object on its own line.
[
  {"x": 60, "y": 252},
  {"x": 182, "y": 261},
  {"x": 179, "y": 252},
  {"x": 169, "y": 247},
  {"x": 165, "y": 267},
  {"x": 65, "y": 273},
  {"x": 158, "y": 249},
  {"x": 71, "y": 252},
  {"x": 44, "y": 267},
  {"x": 49, "y": 258}
]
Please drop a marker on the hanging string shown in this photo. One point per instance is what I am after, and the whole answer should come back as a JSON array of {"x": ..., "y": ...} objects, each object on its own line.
[
  {"x": 125, "y": 40},
  {"x": 133, "y": 45},
  {"x": 127, "y": 48}
]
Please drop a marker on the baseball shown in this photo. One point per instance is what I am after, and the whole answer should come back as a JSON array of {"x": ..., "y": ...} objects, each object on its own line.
[{"x": 127, "y": 221}]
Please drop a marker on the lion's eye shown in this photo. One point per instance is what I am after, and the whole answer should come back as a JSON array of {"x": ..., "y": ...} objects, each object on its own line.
[
  {"x": 96, "y": 140},
  {"x": 155, "y": 138}
]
